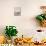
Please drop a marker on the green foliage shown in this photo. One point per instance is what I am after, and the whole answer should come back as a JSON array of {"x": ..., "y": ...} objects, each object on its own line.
[
  {"x": 45, "y": 16},
  {"x": 41, "y": 17},
  {"x": 11, "y": 31}
]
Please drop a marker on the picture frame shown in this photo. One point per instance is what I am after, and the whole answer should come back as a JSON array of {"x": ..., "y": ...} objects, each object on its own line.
[{"x": 17, "y": 11}]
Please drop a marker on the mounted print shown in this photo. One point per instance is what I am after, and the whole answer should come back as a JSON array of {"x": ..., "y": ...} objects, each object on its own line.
[{"x": 17, "y": 11}]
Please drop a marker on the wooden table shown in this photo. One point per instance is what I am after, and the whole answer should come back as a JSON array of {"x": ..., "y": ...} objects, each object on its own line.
[{"x": 25, "y": 44}]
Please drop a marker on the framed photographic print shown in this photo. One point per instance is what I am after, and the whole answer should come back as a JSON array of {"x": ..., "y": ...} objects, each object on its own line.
[{"x": 17, "y": 11}]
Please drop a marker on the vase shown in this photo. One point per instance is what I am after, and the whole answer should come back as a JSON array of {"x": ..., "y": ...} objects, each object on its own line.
[{"x": 13, "y": 38}]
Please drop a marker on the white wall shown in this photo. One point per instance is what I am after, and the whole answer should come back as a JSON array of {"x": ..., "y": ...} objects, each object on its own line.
[{"x": 25, "y": 23}]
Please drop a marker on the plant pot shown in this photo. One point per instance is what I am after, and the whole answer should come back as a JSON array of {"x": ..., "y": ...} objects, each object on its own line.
[
  {"x": 43, "y": 23},
  {"x": 9, "y": 41},
  {"x": 13, "y": 38}
]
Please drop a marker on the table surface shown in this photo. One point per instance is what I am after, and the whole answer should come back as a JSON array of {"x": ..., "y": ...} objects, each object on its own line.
[{"x": 30, "y": 45}]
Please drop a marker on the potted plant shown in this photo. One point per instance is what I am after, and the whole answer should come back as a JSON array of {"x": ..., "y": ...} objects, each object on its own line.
[
  {"x": 42, "y": 17},
  {"x": 10, "y": 31}
]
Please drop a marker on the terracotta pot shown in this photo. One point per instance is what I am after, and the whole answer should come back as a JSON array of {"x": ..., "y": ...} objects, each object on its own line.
[{"x": 43, "y": 23}]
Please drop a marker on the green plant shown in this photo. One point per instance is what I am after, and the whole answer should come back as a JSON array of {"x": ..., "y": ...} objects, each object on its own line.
[
  {"x": 11, "y": 31},
  {"x": 41, "y": 17}
]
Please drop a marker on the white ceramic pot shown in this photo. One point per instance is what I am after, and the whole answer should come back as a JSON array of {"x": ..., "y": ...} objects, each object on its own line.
[{"x": 13, "y": 38}]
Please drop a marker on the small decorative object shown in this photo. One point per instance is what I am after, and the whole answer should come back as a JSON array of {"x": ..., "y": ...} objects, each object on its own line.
[
  {"x": 10, "y": 31},
  {"x": 37, "y": 43},
  {"x": 42, "y": 17},
  {"x": 17, "y": 11},
  {"x": 39, "y": 30}
]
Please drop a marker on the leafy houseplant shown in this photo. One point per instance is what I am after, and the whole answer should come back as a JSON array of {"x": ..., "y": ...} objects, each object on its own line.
[
  {"x": 11, "y": 31},
  {"x": 42, "y": 19}
]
